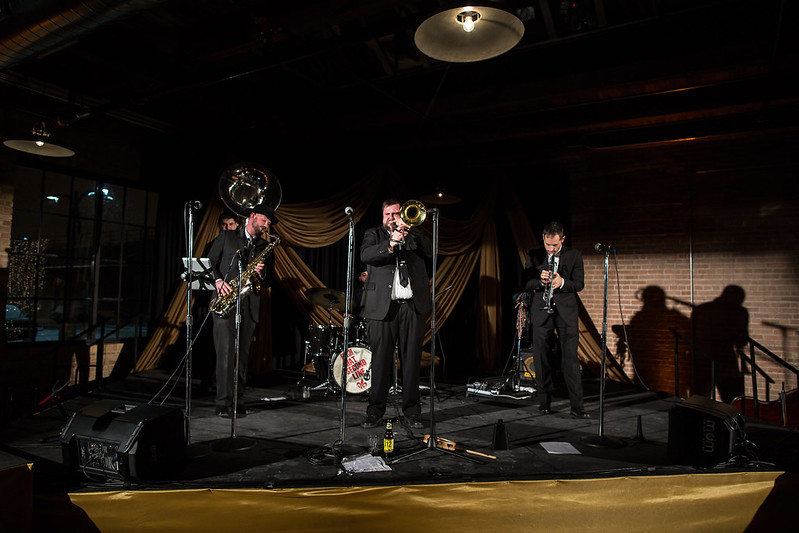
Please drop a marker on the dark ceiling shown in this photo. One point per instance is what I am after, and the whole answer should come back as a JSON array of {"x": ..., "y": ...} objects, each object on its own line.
[{"x": 342, "y": 79}]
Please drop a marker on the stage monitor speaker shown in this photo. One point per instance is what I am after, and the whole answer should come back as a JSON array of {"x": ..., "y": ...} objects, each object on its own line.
[
  {"x": 114, "y": 440},
  {"x": 703, "y": 432}
]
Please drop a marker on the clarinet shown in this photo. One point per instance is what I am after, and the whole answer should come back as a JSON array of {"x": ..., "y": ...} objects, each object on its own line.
[{"x": 549, "y": 305}]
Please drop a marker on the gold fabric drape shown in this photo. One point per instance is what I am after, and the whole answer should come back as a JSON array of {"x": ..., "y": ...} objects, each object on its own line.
[
  {"x": 461, "y": 244},
  {"x": 747, "y": 501}
]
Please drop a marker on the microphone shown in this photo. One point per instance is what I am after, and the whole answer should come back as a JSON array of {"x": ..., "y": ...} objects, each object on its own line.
[
  {"x": 194, "y": 204},
  {"x": 599, "y": 247},
  {"x": 348, "y": 211}
]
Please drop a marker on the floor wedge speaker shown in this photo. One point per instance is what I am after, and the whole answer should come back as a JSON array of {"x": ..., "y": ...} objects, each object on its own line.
[
  {"x": 110, "y": 439},
  {"x": 703, "y": 432}
]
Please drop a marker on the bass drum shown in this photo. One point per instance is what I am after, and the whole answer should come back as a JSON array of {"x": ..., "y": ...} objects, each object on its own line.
[{"x": 359, "y": 367}]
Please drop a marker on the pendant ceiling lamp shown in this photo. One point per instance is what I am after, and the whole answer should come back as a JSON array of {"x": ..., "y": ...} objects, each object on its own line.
[
  {"x": 469, "y": 33},
  {"x": 39, "y": 143}
]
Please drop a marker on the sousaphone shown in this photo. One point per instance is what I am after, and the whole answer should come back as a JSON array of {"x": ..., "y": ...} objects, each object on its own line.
[
  {"x": 243, "y": 187},
  {"x": 246, "y": 185}
]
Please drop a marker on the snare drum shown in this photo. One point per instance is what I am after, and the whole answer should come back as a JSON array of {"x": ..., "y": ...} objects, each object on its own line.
[
  {"x": 359, "y": 368},
  {"x": 323, "y": 340}
]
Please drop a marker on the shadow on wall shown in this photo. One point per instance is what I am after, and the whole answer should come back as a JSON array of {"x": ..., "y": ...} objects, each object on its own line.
[{"x": 658, "y": 340}]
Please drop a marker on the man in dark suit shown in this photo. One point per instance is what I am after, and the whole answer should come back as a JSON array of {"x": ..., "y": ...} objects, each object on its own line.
[
  {"x": 561, "y": 266},
  {"x": 395, "y": 304},
  {"x": 245, "y": 243}
]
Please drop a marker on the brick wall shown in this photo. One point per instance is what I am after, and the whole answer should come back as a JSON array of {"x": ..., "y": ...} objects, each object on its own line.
[
  {"x": 6, "y": 210},
  {"x": 688, "y": 229}
]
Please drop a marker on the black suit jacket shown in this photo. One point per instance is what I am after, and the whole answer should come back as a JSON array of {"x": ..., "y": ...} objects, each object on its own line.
[
  {"x": 380, "y": 266},
  {"x": 225, "y": 265},
  {"x": 571, "y": 269}
]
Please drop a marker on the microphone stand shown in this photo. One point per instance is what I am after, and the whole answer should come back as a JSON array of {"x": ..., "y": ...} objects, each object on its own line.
[
  {"x": 339, "y": 449},
  {"x": 601, "y": 440},
  {"x": 432, "y": 441},
  {"x": 194, "y": 451},
  {"x": 234, "y": 443}
]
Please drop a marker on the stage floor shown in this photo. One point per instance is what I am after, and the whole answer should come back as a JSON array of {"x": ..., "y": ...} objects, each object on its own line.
[{"x": 287, "y": 440}]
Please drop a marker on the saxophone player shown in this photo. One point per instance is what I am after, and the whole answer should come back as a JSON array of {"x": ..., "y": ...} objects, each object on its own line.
[
  {"x": 243, "y": 243},
  {"x": 558, "y": 271}
]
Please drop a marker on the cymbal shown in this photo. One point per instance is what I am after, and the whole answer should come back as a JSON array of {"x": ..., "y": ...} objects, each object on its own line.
[{"x": 327, "y": 298}]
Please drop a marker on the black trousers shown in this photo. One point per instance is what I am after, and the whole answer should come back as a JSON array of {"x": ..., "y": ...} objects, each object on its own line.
[
  {"x": 224, "y": 343},
  {"x": 568, "y": 335},
  {"x": 402, "y": 327}
]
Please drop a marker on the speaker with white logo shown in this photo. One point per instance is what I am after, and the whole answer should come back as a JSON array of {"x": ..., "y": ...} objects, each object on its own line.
[
  {"x": 110, "y": 439},
  {"x": 703, "y": 432}
]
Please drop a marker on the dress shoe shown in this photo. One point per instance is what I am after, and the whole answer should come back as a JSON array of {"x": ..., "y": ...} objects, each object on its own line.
[
  {"x": 580, "y": 414},
  {"x": 371, "y": 421},
  {"x": 413, "y": 421},
  {"x": 545, "y": 408},
  {"x": 222, "y": 411}
]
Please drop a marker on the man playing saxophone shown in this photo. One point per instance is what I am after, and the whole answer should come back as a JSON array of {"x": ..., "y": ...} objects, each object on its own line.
[{"x": 245, "y": 244}]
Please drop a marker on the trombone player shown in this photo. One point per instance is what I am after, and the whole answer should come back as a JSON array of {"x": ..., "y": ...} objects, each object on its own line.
[{"x": 395, "y": 303}]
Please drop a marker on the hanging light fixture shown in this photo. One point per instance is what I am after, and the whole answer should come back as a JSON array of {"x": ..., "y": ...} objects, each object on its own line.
[
  {"x": 39, "y": 143},
  {"x": 469, "y": 33}
]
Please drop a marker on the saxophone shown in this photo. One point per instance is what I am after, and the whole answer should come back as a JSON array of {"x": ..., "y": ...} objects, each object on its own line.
[{"x": 250, "y": 284}]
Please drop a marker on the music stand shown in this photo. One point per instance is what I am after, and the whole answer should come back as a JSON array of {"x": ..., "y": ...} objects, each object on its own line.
[
  {"x": 601, "y": 440},
  {"x": 432, "y": 441},
  {"x": 202, "y": 278}
]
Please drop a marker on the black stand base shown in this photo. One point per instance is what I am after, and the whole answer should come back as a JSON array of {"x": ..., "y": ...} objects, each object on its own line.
[
  {"x": 431, "y": 445},
  {"x": 233, "y": 444},
  {"x": 197, "y": 451},
  {"x": 601, "y": 441}
]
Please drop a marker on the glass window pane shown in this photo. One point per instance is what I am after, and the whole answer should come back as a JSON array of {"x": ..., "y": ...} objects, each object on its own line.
[
  {"x": 55, "y": 236},
  {"x": 84, "y": 197},
  {"x": 113, "y": 202},
  {"x": 79, "y": 281},
  {"x": 83, "y": 246},
  {"x": 107, "y": 316},
  {"x": 135, "y": 207},
  {"x": 112, "y": 239},
  {"x": 57, "y": 193},
  {"x": 19, "y": 324},
  {"x": 78, "y": 315},
  {"x": 25, "y": 272},
  {"x": 109, "y": 280}
]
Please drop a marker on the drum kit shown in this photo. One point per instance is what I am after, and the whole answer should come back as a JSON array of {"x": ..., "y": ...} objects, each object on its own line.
[{"x": 325, "y": 347}]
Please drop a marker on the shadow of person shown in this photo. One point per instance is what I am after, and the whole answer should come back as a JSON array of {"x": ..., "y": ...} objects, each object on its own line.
[
  {"x": 721, "y": 327},
  {"x": 651, "y": 342}
]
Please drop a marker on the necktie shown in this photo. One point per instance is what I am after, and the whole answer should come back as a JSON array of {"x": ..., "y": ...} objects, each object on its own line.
[{"x": 403, "y": 273}]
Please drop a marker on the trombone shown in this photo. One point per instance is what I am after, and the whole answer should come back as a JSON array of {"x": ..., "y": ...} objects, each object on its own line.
[{"x": 412, "y": 213}]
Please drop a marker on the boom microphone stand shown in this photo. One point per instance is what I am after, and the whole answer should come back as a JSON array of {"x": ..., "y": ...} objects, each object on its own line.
[
  {"x": 190, "y": 207},
  {"x": 600, "y": 439},
  {"x": 432, "y": 441}
]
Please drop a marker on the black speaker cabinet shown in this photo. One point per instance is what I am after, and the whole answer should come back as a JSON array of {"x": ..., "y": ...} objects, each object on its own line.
[
  {"x": 703, "y": 432},
  {"x": 112, "y": 439}
]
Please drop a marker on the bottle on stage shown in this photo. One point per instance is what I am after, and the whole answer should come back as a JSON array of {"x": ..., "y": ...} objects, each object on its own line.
[{"x": 388, "y": 440}]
